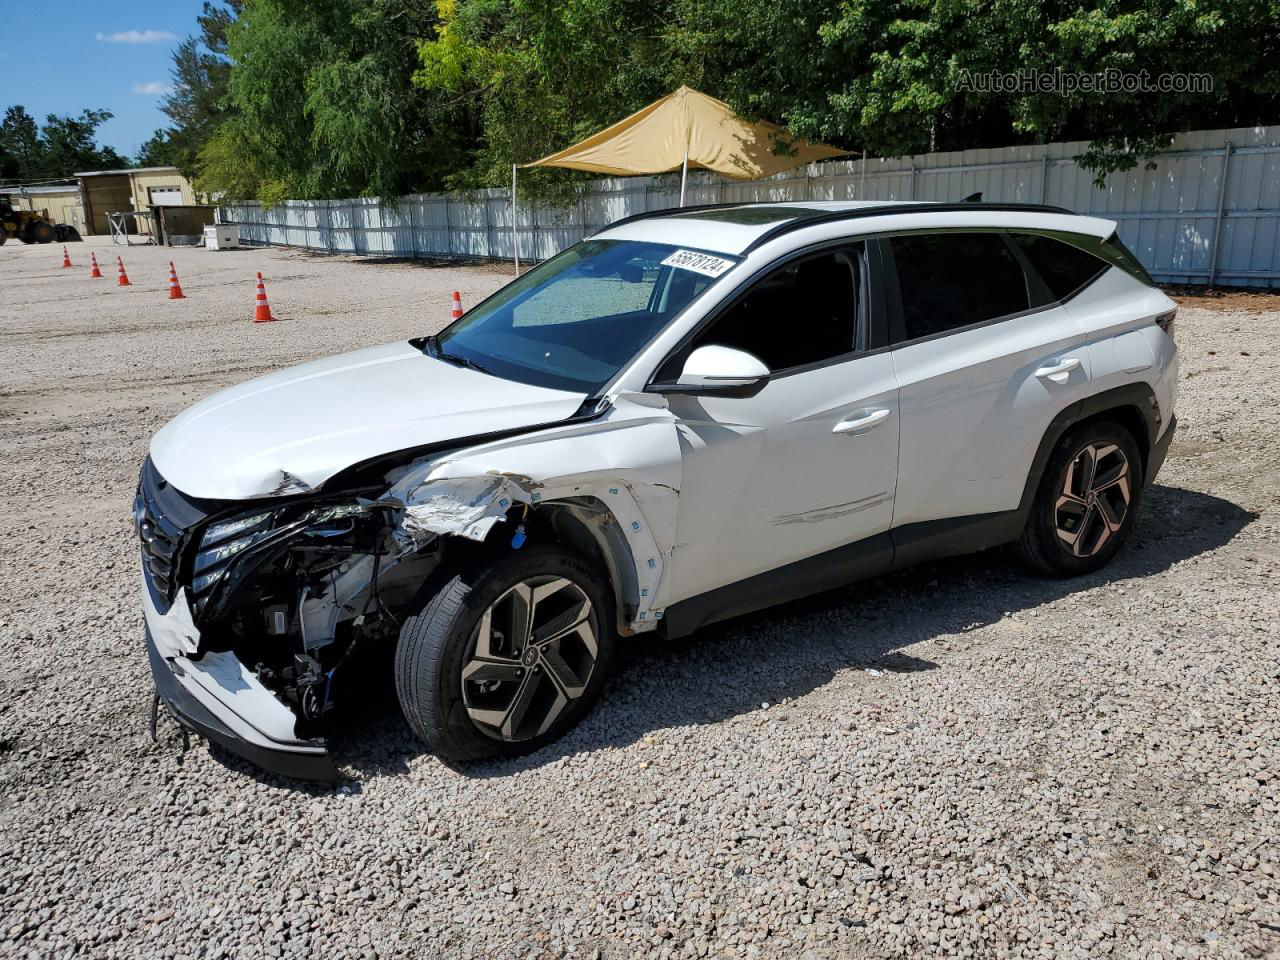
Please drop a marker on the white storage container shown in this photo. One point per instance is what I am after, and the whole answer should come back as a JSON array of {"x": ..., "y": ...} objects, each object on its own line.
[{"x": 222, "y": 236}]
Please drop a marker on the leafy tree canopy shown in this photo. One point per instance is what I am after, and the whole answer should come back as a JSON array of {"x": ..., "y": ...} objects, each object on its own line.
[
  {"x": 321, "y": 104},
  {"x": 381, "y": 97},
  {"x": 63, "y": 146}
]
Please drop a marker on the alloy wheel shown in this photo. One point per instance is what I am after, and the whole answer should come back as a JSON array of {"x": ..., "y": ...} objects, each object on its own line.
[
  {"x": 1094, "y": 500},
  {"x": 533, "y": 653}
]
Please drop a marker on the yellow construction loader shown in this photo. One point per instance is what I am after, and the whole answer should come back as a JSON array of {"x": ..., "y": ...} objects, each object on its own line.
[{"x": 31, "y": 226}]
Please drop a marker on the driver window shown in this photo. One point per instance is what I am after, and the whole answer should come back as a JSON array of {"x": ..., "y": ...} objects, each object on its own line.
[{"x": 804, "y": 312}]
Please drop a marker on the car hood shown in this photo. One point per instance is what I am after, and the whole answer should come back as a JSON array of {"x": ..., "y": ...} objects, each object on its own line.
[{"x": 291, "y": 430}]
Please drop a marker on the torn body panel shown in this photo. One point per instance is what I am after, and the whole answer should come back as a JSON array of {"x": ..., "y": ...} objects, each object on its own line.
[
  {"x": 627, "y": 462},
  {"x": 218, "y": 697}
]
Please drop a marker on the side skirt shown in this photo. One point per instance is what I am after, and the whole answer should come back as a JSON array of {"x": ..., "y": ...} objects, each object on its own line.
[
  {"x": 893, "y": 550},
  {"x": 954, "y": 536},
  {"x": 826, "y": 571}
]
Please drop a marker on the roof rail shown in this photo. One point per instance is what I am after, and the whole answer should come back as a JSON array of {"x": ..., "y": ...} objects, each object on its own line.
[
  {"x": 880, "y": 210},
  {"x": 830, "y": 216}
]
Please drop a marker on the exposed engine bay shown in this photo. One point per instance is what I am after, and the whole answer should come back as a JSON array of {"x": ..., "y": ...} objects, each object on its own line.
[
  {"x": 293, "y": 588},
  {"x": 313, "y": 592}
]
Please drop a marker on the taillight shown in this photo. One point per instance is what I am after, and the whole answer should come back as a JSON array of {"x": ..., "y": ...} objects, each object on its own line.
[{"x": 1165, "y": 321}]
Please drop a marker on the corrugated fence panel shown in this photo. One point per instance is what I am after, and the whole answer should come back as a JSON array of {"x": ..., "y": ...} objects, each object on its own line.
[{"x": 1206, "y": 209}]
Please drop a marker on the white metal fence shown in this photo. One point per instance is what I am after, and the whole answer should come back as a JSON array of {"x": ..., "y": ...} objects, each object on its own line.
[{"x": 1206, "y": 210}]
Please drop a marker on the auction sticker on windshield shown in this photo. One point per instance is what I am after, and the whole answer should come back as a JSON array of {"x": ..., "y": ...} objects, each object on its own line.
[{"x": 702, "y": 263}]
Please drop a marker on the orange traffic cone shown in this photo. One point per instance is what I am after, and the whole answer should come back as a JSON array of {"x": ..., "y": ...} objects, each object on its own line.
[
  {"x": 123, "y": 279},
  {"x": 66, "y": 258},
  {"x": 95, "y": 273},
  {"x": 175, "y": 289},
  {"x": 457, "y": 305},
  {"x": 261, "y": 309}
]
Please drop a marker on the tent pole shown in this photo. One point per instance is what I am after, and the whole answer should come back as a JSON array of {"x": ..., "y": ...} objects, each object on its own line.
[
  {"x": 515, "y": 223},
  {"x": 684, "y": 173}
]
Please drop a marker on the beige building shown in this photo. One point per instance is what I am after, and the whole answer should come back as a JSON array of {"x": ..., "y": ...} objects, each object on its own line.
[{"x": 139, "y": 189}]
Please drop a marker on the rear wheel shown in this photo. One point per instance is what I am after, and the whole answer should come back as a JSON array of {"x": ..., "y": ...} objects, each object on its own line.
[
  {"x": 1087, "y": 501},
  {"x": 505, "y": 656}
]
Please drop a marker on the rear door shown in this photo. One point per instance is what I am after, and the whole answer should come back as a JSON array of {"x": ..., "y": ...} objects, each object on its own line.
[{"x": 985, "y": 357}]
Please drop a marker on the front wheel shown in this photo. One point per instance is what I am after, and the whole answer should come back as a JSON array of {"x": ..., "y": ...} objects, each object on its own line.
[
  {"x": 506, "y": 656},
  {"x": 1087, "y": 501},
  {"x": 41, "y": 232}
]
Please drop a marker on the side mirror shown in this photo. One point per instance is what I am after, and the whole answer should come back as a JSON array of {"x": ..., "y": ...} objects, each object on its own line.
[{"x": 719, "y": 371}]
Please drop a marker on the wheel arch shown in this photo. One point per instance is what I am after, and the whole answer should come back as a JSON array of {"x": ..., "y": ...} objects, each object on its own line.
[
  {"x": 585, "y": 526},
  {"x": 610, "y": 488},
  {"x": 588, "y": 527},
  {"x": 1134, "y": 406}
]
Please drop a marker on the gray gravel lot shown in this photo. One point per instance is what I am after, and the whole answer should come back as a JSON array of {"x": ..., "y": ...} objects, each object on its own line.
[{"x": 956, "y": 760}]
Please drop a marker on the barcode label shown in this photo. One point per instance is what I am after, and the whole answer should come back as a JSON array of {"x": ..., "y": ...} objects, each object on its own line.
[{"x": 702, "y": 263}]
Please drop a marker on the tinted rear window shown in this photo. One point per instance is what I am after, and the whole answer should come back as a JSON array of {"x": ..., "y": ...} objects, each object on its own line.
[
  {"x": 1123, "y": 258},
  {"x": 952, "y": 280},
  {"x": 1065, "y": 269}
]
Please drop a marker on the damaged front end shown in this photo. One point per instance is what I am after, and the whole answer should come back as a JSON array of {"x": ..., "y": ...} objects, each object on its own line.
[
  {"x": 256, "y": 612},
  {"x": 262, "y": 613}
]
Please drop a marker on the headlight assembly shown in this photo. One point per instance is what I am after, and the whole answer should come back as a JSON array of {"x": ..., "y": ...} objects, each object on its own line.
[
  {"x": 222, "y": 542},
  {"x": 221, "y": 531}
]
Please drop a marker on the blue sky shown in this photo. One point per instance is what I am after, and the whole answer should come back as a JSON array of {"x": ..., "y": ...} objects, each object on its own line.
[{"x": 61, "y": 57}]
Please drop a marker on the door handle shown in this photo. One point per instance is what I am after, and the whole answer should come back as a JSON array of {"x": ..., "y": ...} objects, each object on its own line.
[
  {"x": 861, "y": 423},
  {"x": 1058, "y": 372}
]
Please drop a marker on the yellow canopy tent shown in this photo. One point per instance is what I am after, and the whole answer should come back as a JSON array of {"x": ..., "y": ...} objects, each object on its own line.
[{"x": 686, "y": 129}]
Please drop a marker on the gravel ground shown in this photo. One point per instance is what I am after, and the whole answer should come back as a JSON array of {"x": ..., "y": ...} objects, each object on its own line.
[{"x": 957, "y": 760}]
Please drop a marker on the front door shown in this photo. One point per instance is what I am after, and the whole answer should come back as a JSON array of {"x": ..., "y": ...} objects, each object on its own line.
[{"x": 806, "y": 465}]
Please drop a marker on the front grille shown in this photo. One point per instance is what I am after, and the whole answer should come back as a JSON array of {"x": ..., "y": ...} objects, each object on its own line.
[
  {"x": 160, "y": 541},
  {"x": 163, "y": 518}
]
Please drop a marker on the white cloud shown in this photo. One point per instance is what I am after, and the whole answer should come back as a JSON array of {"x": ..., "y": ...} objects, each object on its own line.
[
  {"x": 138, "y": 36},
  {"x": 153, "y": 89}
]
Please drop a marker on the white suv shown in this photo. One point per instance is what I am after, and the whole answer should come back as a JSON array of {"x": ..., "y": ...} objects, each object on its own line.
[{"x": 691, "y": 415}]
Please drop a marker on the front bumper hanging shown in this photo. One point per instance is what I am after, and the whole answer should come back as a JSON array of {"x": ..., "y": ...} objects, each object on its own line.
[{"x": 301, "y": 760}]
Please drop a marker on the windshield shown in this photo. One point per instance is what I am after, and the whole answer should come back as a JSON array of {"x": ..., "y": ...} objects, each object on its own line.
[{"x": 573, "y": 322}]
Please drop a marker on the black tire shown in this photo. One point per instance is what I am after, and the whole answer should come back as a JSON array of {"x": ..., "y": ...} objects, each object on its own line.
[
  {"x": 41, "y": 231},
  {"x": 66, "y": 233},
  {"x": 1042, "y": 546},
  {"x": 437, "y": 643}
]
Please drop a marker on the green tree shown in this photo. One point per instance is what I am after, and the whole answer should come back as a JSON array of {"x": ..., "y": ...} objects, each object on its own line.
[
  {"x": 887, "y": 77},
  {"x": 70, "y": 144},
  {"x": 890, "y": 77},
  {"x": 158, "y": 151},
  {"x": 323, "y": 105},
  {"x": 197, "y": 106},
  {"x": 62, "y": 146},
  {"x": 536, "y": 75},
  {"x": 21, "y": 153},
  {"x": 330, "y": 98}
]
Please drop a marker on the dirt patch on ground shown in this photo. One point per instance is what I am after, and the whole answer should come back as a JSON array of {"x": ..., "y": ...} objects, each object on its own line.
[{"x": 1260, "y": 300}]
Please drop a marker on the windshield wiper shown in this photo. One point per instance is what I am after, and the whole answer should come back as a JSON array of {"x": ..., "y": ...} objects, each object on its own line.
[{"x": 431, "y": 347}]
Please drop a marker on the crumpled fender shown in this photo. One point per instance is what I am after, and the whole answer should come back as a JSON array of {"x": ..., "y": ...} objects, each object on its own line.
[{"x": 628, "y": 460}]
